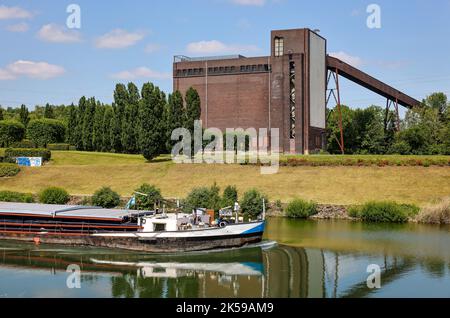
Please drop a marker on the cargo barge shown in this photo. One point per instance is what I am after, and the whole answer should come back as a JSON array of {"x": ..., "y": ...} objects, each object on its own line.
[{"x": 141, "y": 231}]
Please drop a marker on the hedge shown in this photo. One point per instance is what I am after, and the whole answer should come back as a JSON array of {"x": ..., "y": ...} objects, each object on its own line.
[
  {"x": 106, "y": 198},
  {"x": 8, "y": 170},
  {"x": 11, "y": 131},
  {"x": 46, "y": 131},
  {"x": 61, "y": 147},
  {"x": 9, "y": 196},
  {"x": 38, "y": 152},
  {"x": 23, "y": 144}
]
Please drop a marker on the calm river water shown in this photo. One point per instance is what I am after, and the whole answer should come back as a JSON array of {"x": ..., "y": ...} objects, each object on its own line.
[{"x": 313, "y": 259}]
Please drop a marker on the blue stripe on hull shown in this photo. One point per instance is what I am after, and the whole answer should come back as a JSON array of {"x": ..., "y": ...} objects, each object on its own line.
[{"x": 257, "y": 229}]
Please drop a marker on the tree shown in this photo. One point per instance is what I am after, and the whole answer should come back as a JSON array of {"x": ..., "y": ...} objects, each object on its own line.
[
  {"x": 97, "y": 128},
  {"x": 1, "y": 113},
  {"x": 151, "y": 121},
  {"x": 72, "y": 125},
  {"x": 130, "y": 120},
  {"x": 333, "y": 129},
  {"x": 253, "y": 202},
  {"x": 193, "y": 108},
  {"x": 106, "y": 128},
  {"x": 48, "y": 112},
  {"x": 46, "y": 131},
  {"x": 148, "y": 196},
  {"x": 120, "y": 104},
  {"x": 115, "y": 131},
  {"x": 78, "y": 133},
  {"x": 174, "y": 117},
  {"x": 88, "y": 124},
  {"x": 11, "y": 131},
  {"x": 24, "y": 115},
  {"x": 230, "y": 196},
  {"x": 437, "y": 101}
]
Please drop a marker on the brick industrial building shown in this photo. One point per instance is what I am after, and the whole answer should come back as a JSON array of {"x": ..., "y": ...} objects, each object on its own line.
[{"x": 286, "y": 90}]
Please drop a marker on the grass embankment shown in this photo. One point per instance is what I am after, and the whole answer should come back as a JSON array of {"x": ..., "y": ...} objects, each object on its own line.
[
  {"x": 365, "y": 160},
  {"x": 83, "y": 173}
]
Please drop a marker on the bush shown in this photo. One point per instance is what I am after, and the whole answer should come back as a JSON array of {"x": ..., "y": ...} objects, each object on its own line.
[
  {"x": 203, "y": 197},
  {"x": 378, "y": 212},
  {"x": 301, "y": 209},
  {"x": 8, "y": 170},
  {"x": 106, "y": 198},
  {"x": 230, "y": 196},
  {"x": 252, "y": 202},
  {"x": 8, "y": 196},
  {"x": 61, "y": 147},
  {"x": 148, "y": 201},
  {"x": 436, "y": 214},
  {"x": 16, "y": 152},
  {"x": 46, "y": 131},
  {"x": 11, "y": 131},
  {"x": 54, "y": 195}
]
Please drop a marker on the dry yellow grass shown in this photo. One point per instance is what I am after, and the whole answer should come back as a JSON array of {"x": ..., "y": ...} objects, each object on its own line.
[
  {"x": 438, "y": 213},
  {"x": 83, "y": 173}
]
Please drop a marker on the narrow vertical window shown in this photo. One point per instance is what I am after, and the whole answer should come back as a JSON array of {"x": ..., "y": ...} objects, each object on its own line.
[{"x": 279, "y": 46}]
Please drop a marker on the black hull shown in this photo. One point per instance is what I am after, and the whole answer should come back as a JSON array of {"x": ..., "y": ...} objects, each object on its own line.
[{"x": 158, "y": 245}]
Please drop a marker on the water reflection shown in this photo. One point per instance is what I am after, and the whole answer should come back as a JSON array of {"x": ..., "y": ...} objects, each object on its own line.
[{"x": 313, "y": 259}]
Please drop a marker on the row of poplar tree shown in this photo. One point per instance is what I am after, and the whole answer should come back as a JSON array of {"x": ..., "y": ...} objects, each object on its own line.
[{"x": 137, "y": 122}]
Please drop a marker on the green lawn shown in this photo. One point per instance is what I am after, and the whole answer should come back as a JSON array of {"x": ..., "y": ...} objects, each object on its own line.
[{"x": 83, "y": 173}]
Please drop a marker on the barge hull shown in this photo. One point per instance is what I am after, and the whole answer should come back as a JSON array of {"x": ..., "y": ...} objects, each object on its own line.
[{"x": 154, "y": 245}]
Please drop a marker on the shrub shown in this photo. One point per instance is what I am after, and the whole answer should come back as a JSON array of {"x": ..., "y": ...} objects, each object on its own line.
[
  {"x": 436, "y": 214},
  {"x": 106, "y": 198},
  {"x": 11, "y": 131},
  {"x": 8, "y": 170},
  {"x": 61, "y": 147},
  {"x": 8, "y": 196},
  {"x": 252, "y": 202},
  {"x": 54, "y": 195},
  {"x": 148, "y": 201},
  {"x": 203, "y": 197},
  {"x": 301, "y": 209},
  {"x": 384, "y": 212},
  {"x": 46, "y": 131},
  {"x": 230, "y": 196},
  {"x": 16, "y": 152}
]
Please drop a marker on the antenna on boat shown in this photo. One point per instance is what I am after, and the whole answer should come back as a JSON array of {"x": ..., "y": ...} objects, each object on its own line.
[{"x": 264, "y": 209}]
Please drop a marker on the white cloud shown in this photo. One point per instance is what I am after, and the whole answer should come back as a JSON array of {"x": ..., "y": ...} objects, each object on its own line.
[
  {"x": 349, "y": 59},
  {"x": 19, "y": 27},
  {"x": 36, "y": 70},
  {"x": 217, "y": 47},
  {"x": 118, "y": 39},
  {"x": 7, "y": 13},
  {"x": 152, "y": 48},
  {"x": 141, "y": 72},
  {"x": 257, "y": 3},
  {"x": 58, "y": 34}
]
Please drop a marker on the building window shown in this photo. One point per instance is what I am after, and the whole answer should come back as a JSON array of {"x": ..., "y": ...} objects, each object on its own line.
[{"x": 279, "y": 46}]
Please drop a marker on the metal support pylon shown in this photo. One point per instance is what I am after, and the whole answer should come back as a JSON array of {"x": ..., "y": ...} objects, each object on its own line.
[{"x": 335, "y": 92}]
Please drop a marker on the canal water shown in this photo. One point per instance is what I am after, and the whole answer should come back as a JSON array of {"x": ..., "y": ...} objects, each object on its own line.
[{"x": 319, "y": 259}]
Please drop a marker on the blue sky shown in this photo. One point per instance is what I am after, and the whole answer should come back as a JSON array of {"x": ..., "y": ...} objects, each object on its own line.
[{"x": 43, "y": 61}]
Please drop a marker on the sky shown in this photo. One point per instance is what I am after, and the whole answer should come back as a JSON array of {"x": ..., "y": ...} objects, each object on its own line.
[{"x": 45, "y": 59}]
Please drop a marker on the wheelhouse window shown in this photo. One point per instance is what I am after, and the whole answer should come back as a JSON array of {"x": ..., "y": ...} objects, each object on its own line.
[{"x": 279, "y": 46}]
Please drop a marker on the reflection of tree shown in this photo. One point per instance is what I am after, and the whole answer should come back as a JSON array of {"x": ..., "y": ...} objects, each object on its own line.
[
  {"x": 434, "y": 267},
  {"x": 123, "y": 286},
  {"x": 131, "y": 285}
]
